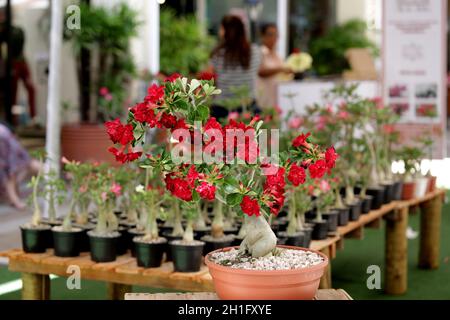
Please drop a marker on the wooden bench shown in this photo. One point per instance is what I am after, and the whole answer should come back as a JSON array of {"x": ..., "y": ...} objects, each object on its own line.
[
  {"x": 124, "y": 272},
  {"x": 396, "y": 245}
]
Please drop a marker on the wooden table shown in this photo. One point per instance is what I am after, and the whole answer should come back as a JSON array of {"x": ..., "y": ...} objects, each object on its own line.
[
  {"x": 396, "y": 247},
  {"x": 124, "y": 272}
]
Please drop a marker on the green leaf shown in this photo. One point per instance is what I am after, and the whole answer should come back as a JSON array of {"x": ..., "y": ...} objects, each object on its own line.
[
  {"x": 203, "y": 112},
  {"x": 234, "y": 199}
]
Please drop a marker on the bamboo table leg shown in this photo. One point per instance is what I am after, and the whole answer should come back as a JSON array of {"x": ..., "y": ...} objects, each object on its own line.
[
  {"x": 430, "y": 233},
  {"x": 116, "y": 291},
  {"x": 325, "y": 281},
  {"x": 396, "y": 274},
  {"x": 35, "y": 286}
]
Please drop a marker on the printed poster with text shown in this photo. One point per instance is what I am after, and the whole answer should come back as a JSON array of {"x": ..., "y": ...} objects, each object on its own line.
[{"x": 415, "y": 67}]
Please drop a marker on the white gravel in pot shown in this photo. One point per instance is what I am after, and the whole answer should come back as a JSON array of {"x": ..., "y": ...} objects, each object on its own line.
[{"x": 284, "y": 259}]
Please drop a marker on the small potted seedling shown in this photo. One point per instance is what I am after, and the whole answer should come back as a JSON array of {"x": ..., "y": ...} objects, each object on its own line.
[
  {"x": 150, "y": 247},
  {"x": 324, "y": 199},
  {"x": 411, "y": 157},
  {"x": 36, "y": 236},
  {"x": 104, "y": 238}
]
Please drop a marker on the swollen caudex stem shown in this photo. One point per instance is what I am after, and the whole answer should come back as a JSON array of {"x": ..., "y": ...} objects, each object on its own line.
[
  {"x": 200, "y": 220},
  {"x": 102, "y": 227},
  {"x": 217, "y": 223},
  {"x": 260, "y": 241},
  {"x": 67, "y": 222},
  {"x": 177, "y": 226},
  {"x": 188, "y": 235},
  {"x": 37, "y": 216},
  {"x": 83, "y": 213},
  {"x": 151, "y": 229},
  {"x": 339, "y": 204},
  {"x": 292, "y": 227}
]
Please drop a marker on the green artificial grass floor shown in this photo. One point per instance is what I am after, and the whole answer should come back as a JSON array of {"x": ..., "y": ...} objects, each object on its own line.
[{"x": 349, "y": 270}]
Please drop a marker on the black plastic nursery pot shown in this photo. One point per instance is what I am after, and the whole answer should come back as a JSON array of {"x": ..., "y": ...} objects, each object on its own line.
[
  {"x": 378, "y": 197},
  {"x": 122, "y": 241},
  {"x": 187, "y": 257},
  {"x": 333, "y": 219},
  {"x": 388, "y": 192},
  {"x": 237, "y": 242},
  {"x": 366, "y": 204},
  {"x": 150, "y": 254},
  {"x": 344, "y": 215},
  {"x": 320, "y": 230},
  {"x": 397, "y": 191},
  {"x": 310, "y": 215},
  {"x": 307, "y": 232},
  {"x": 212, "y": 244},
  {"x": 36, "y": 240},
  {"x": 231, "y": 230},
  {"x": 170, "y": 238},
  {"x": 355, "y": 210},
  {"x": 200, "y": 233},
  {"x": 103, "y": 249},
  {"x": 130, "y": 234},
  {"x": 165, "y": 229},
  {"x": 296, "y": 240},
  {"x": 67, "y": 243}
]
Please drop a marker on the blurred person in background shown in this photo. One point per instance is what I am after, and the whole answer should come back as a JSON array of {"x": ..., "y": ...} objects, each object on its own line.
[
  {"x": 20, "y": 68},
  {"x": 15, "y": 165},
  {"x": 271, "y": 67},
  {"x": 235, "y": 62}
]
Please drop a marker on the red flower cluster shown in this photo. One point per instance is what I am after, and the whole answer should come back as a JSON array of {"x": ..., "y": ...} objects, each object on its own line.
[
  {"x": 119, "y": 133},
  {"x": 125, "y": 157},
  {"x": 172, "y": 78},
  {"x": 297, "y": 175},
  {"x": 301, "y": 141},
  {"x": 330, "y": 157},
  {"x": 144, "y": 113},
  {"x": 179, "y": 187},
  {"x": 123, "y": 135},
  {"x": 250, "y": 207},
  {"x": 206, "y": 191},
  {"x": 318, "y": 169},
  {"x": 155, "y": 94},
  {"x": 274, "y": 190},
  {"x": 246, "y": 149}
]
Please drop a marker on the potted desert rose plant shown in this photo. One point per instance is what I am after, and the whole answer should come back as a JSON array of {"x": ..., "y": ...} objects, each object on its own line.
[
  {"x": 104, "y": 237},
  {"x": 150, "y": 247},
  {"x": 180, "y": 106},
  {"x": 36, "y": 236},
  {"x": 411, "y": 157}
]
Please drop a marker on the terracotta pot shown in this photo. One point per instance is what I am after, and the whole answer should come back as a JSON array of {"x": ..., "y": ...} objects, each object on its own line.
[
  {"x": 408, "y": 190},
  {"x": 431, "y": 183},
  {"x": 86, "y": 143},
  {"x": 421, "y": 187},
  {"x": 238, "y": 284}
]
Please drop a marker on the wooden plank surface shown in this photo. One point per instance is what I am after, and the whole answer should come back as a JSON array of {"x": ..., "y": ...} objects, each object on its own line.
[{"x": 323, "y": 294}]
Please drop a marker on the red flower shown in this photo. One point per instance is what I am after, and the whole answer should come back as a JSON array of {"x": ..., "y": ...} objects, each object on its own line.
[
  {"x": 250, "y": 207},
  {"x": 318, "y": 169},
  {"x": 330, "y": 157},
  {"x": 212, "y": 124},
  {"x": 181, "y": 124},
  {"x": 301, "y": 141},
  {"x": 173, "y": 77},
  {"x": 276, "y": 179},
  {"x": 193, "y": 176},
  {"x": 179, "y": 188},
  {"x": 155, "y": 94},
  {"x": 205, "y": 75},
  {"x": 119, "y": 133},
  {"x": 297, "y": 175},
  {"x": 125, "y": 157},
  {"x": 168, "y": 121},
  {"x": 143, "y": 113},
  {"x": 206, "y": 191}
]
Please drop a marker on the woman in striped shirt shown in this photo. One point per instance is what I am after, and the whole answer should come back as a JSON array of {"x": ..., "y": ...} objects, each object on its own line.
[{"x": 236, "y": 64}]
